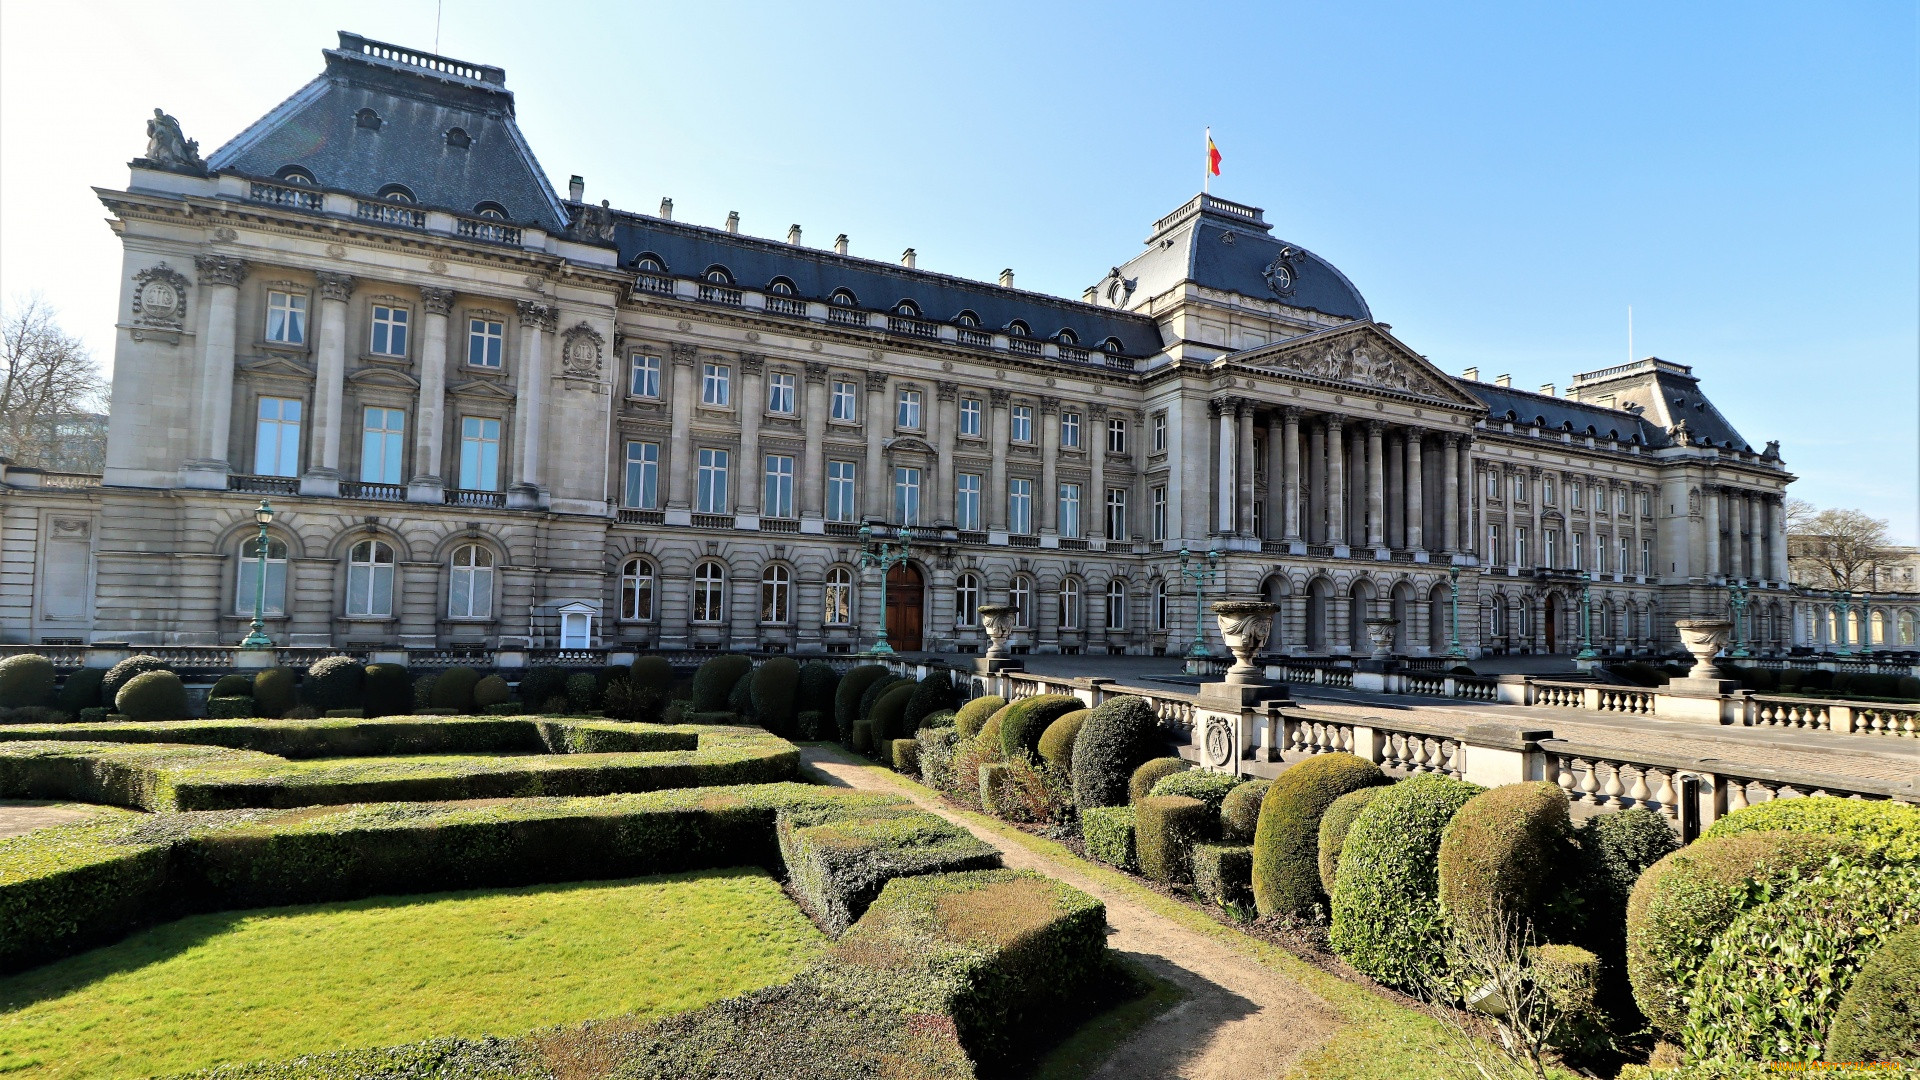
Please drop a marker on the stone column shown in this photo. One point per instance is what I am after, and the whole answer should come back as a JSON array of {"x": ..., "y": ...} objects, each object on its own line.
[
  {"x": 427, "y": 484},
  {"x": 996, "y": 508},
  {"x": 220, "y": 279},
  {"x": 1224, "y": 484},
  {"x": 1633, "y": 513},
  {"x": 1710, "y": 504},
  {"x": 1756, "y": 538},
  {"x": 1450, "y": 493},
  {"x": 1289, "y": 473},
  {"x": 1394, "y": 515},
  {"x": 1778, "y": 530},
  {"x": 750, "y": 407},
  {"x": 813, "y": 469},
  {"x": 1096, "y": 499},
  {"x": 1049, "y": 493},
  {"x": 536, "y": 323},
  {"x": 878, "y": 422},
  {"x": 686, "y": 376},
  {"x": 329, "y": 387},
  {"x": 1243, "y": 469},
  {"x": 1376, "y": 482},
  {"x": 1336, "y": 493},
  {"x": 940, "y": 499},
  {"x": 1469, "y": 525},
  {"x": 1416, "y": 495}
]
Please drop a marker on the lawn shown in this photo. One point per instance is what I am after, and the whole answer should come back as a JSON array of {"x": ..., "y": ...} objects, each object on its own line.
[{"x": 278, "y": 982}]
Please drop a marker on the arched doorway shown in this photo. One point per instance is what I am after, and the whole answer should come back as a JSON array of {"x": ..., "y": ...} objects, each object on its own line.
[
  {"x": 906, "y": 598},
  {"x": 1400, "y": 606},
  {"x": 1319, "y": 599},
  {"x": 1359, "y": 610},
  {"x": 1439, "y": 619},
  {"x": 1556, "y": 612}
]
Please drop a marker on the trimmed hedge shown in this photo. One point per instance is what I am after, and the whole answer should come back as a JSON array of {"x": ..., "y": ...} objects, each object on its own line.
[
  {"x": 714, "y": 680},
  {"x": 453, "y": 689},
  {"x": 1223, "y": 873},
  {"x": 1149, "y": 773},
  {"x": 906, "y": 756},
  {"x": 1286, "y": 843},
  {"x": 26, "y": 680},
  {"x": 583, "y": 692},
  {"x": 1509, "y": 855},
  {"x": 1881, "y": 827},
  {"x": 237, "y": 707},
  {"x": 232, "y": 684},
  {"x": 1117, "y": 738},
  {"x": 1211, "y": 788},
  {"x": 333, "y": 682},
  {"x": 1107, "y": 832},
  {"x": 81, "y": 690},
  {"x": 838, "y": 863},
  {"x": 936, "y": 756},
  {"x": 1026, "y": 720},
  {"x": 490, "y": 691},
  {"x": 1240, "y": 811},
  {"x": 1165, "y": 829},
  {"x": 1334, "y": 824},
  {"x": 934, "y": 693},
  {"x": 874, "y": 691},
  {"x": 386, "y": 690},
  {"x": 814, "y": 693},
  {"x": 274, "y": 692},
  {"x": 541, "y": 683},
  {"x": 1615, "y": 849},
  {"x": 969, "y": 717},
  {"x": 121, "y": 673},
  {"x": 1386, "y": 907},
  {"x": 774, "y": 691},
  {"x": 1056, "y": 743},
  {"x": 888, "y": 716},
  {"x": 812, "y": 725},
  {"x": 846, "y": 697},
  {"x": 652, "y": 672},
  {"x": 152, "y": 695},
  {"x": 941, "y": 719},
  {"x": 1879, "y": 1019}
]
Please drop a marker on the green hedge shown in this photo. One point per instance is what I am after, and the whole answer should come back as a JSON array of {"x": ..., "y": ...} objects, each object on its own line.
[
  {"x": 1240, "y": 811},
  {"x": 1118, "y": 736},
  {"x": 152, "y": 695},
  {"x": 1881, "y": 827},
  {"x": 1026, "y": 720},
  {"x": 1508, "y": 858},
  {"x": 541, "y": 684},
  {"x": 905, "y": 756},
  {"x": 1286, "y": 844},
  {"x": 812, "y": 725},
  {"x": 1056, "y": 743},
  {"x": 1386, "y": 908},
  {"x": 121, "y": 673},
  {"x": 846, "y": 697},
  {"x": 888, "y": 716},
  {"x": 715, "y": 679},
  {"x": 652, "y": 672},
  {"x": 1151, "y": 772},
  {"x": 453, "y": 689},
  {"x": 1211, "y": 788},
  {"x": 238, "y": 707},
  {"x": 1339, "y": 818},
  {"x": 1223, "y": 873},
  {"x": 334, "y": 682},
  {"x": 380, "y": 737},
  {"x": 490, "y": 691},
  {"x": 231, "y": 685},
  {"x": 1879, "y": 1019},
  {"x": 81, "y": 691},
  {"x": 275, "y": 691},
  {"x": 818, "y": 681},
  {"x": 26, "y": 679},
  {"x": 1107, "y": 832},
  {"x": 873, "y": 693},
  {"x": 387, "y": 691},
  {"x": 1165, "y": 829},
  {"x": 775, "y": 691},
  {"x": 935, "y": 693},
  {"x": 937, "y": 746},
  {"x": 1616, "y": 849},
  {"x": 968, "y": 718},
  {"x": 838, "y": 863}
]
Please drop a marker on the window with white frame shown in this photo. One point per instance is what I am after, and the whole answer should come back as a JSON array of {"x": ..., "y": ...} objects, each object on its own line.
[
  {"x": 970, "y": 417},
  {"x": 246, "y": 587},
  {"x": 486, "y": 342},
  {"x": 1646, "y": 505},
  {"x": 716, "y": 385},
  {"x": 778, "y": 500},
  {"x": 907, "y": 410},
  {"x": 711, "y": 482},
  {"x": 780, "y": 393},
  {"x": 776, "y": 594},
  {"x": 1020, "y": 598},
  {"x": 1493, "y": 484},
  {"x": 1159, "y": 433},
  {"x": 1620, "y": 502},
  {"x": 382, "y": 444},
  {"x": 1117, "y": 514},
  {"x": 1519, "y": 487},
  {"x": 966, "y": 501},
  {"x": 1116, "y": 435},
  {"x": 1579, "y": 551},
  {"x": 845, "y": 401},
  {"x": 276, "y": 443},
  {"x": 1116, "y": 604},
  {"x": 643, "y": 475},
  {"x": 287, "y": 317},
  {"x": 1550, "y": 540},
  {"x": 479, "y": 453},
  {"x": 370, "y": 579},
  {"x": 1069, "y": 509},
  {"x": 1070, "y": 430},
  {"x": 906, "y": 495},
  {"x": 1494, "y": 550},
  {"x": 644, "y": 380},
  {"x": 1625, "y": 565},
  {"x": 1069, "y": 603},
  {"x": 1020, "y": 506},
  {"x": 1023, "y": 423},
  {"x": 966, "y": 600},
  {"x": 1521, "y": 555},
  {"x": 841, "y": 502},
  {"x": 1547, "y": 490},
  {"x": 1160, "y": 513},
  {"x": 470, "y": 583},
  {"x": 636, "y": 590},
  {"x": 1159, "y": 603},
  {"x": 1497, "y": 617},
  {"x": 1576, "y": 495},
  {"x": 839, "y": 611},
  {"x": 1646, "y": 558},
  {"x": 709, "y": 592},
  {"x": 389, "y": 331}
]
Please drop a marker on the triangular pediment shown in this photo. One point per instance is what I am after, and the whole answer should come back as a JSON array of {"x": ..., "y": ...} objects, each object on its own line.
[
  {"x": 480, "y": 388},
  {"x": 1360, "y": 355},
  {"x": 384, "y": 377},
  {"x": 275, "y": 364}
]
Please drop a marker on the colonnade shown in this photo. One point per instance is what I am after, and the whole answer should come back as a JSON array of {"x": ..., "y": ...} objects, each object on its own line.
[{"x": 1747, "y": 534}]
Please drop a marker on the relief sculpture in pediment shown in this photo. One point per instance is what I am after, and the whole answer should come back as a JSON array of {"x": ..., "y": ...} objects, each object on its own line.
[{"x": 1358, "y": 364}]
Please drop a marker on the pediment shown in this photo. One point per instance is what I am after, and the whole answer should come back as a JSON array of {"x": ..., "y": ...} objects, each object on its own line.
[
  {"x": 384, "y": 377},
  {"x": 274, "y": 364},
  {"x": 909, "y": 444},
  {"x": 1359, "y": 355},
  {"x": 480, "y": 388}
]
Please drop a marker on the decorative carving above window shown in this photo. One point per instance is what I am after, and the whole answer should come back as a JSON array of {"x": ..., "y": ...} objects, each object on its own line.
[
  {"x": 160, "y": 300},
  {"x": 581, "y": 352}
]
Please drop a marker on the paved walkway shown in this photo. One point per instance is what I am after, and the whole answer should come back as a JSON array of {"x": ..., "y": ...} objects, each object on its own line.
[{"x": 1240, "y": 1020}]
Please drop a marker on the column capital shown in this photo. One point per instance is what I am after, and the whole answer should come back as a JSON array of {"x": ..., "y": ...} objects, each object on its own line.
[
  {"x": 1375, "y": 428},
  {"x": 1334, "y": 422},
  {"x": 436, "y": 301},
  {"x": 683, "y": 354},
  {"x": 816, "y": 372},
  {"x": 751, "y": 363},
  {"x": 1000, "y": 398},
  {"x": 947, "y": 391},
  {"x": 537, "y": 315},
  {"x": 1097, "y": 410},
  {"x": 1291, "y": 413},
  {"x": 1049, "y": 406},
  {"x": 1452, "y": 439},
  {"x": 1225, "y": 405},
  {"x": 222, "y": 270},
  {"x": 335, "y": 286},
  {"x": 876, "y": 381}
]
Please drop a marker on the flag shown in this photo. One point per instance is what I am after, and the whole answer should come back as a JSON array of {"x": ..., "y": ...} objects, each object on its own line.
[{"x": 1213, "y": 155}]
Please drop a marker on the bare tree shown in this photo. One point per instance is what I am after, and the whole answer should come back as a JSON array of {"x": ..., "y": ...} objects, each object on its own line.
[
  {"x": 1835, "y": 549},
  {"x": 51, "y": 392}
]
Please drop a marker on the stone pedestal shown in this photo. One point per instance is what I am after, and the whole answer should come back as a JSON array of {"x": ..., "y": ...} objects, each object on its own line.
[
  {"x": 1231, "y": 696},
  {"x": 254, "y": 659},
  {"x": 995, "y": 665}
]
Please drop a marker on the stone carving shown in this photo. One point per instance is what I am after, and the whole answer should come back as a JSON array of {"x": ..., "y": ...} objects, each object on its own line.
[
  {"x": 335, "y": 286},
  {"x": 683, "y": 353},
  {"x": 1000, "y": 398},
  {"x": 1380, "y": 633},
  {"x": 876, "y": 381},
  {"x": 436, "y": 301},
  {"x": 1358, "y": 364},
  {"x": 160, "y": 297},
  {"x": 168, "y": 149},
  {"x": 538, "y": 316},
  {"x": 1217, "y": 746},
  {"x": 816, "y": 372},
  {"x": 946, "y": 391},
  {"x": 580, "y": 352},
  {"x": 1280, "y": 274},
  {"x": 1679, "y": 433},
  {"x": 1244, "y": 626},
  {"x": 593, "y": 223},
  {"x": 1120, "y": 288},
  {"x": 752, "y": 363},
  {"x": 1702, "y": 636},
  {"x": 997, "y": 620}
]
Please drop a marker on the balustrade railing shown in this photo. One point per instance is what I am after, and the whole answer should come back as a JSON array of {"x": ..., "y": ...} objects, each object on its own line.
[
  {"x": 62, "y": 657},
  {"x": 653, "y": 283},
  {"x": 386, "y": 213},
  {"x": 568, "y": 657},
  {"x": 278, "y": 195},
  {"x": 840, "y": 316},
  {"x": 630, "y": 516},
  {"x": 713, "y": 521},
  {"x": 1828, "y": 714},
  {"x": 494, "y": 500},
  {"x": 913, "y": 327},
  {"x": 492, "y": 232},
  {"x": 365, "y": 489},
  {"x": 780, "y": 525},
  {"x": 1024, "y": 347},
  {"x": 720, "y": 294},
  {"x": 263, "y": 485},
  {"x": 979, "y": 339},
  {"x": 782, "y": 305},
  {"x": 1626, "y": 700}
]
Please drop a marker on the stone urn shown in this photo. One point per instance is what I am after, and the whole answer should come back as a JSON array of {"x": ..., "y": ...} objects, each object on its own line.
[
  {"x": 997, "y": 619},
  {"x": 1245, "y": 626},
  {"x": 1703, "y": 635},
  {"x": 1380, "y": 633}
]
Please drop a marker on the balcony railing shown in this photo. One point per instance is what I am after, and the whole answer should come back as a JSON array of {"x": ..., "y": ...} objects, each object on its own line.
[
  {"x": 912, "y": 327},
  {"x": 779, "y": 525},
  {"x": 972, "y": 536},
  {"x": 386, "y": 213},
  {"x": 263, "y": 485},
  {"x": 275, "y": 195},
  {"x": 653, "y": 283},
  {"x": 362, "y": 489},
  {"x": 720, "y": 294},
  {"x": 842, "y": 528},
  {"x": 979, "y": 339},
  {"x": 1072, "y": 543},
  {"x": 1023, "y": 540},
  {"x": 493, "y": 500},
  {"x": 1024, "y": 347},
  {"x": 631, "y": 516},
  {"x": 1074, "y": 353},
  {"x": 713, "y": 521},
  {"x": 840, "y": 316},
  {"x": 493, "y": 232},
  {"x": 781, "y": 305}
]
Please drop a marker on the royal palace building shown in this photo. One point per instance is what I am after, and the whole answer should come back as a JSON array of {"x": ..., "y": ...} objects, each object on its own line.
[{"x": 485, "y": 414}]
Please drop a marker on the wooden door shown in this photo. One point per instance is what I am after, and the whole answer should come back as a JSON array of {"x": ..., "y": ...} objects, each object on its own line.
[
  {"x": 906, "y": 595},
  {"x": 1555, "y": 613}
]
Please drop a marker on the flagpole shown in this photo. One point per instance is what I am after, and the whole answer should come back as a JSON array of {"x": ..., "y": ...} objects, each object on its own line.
[{"x": 1206, "y": 162}]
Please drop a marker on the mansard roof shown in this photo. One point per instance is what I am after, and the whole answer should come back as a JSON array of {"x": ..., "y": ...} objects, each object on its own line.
[
  {"x": 382, "y": 116},
  {"x": 1524, "y": 408},
  {"x": 1653, "y": 396}
]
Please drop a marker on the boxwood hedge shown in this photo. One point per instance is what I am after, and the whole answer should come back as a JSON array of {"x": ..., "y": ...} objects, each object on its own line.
[
  {"x": 118, "y": 675},
  {"x": 936, "y": 755},
  {"x": 846, "y": 697},
  {"x": 933, "y": 694},
  {"x": 274, "y": 691},
  {"x": 1240, "y": 811},
  {"x": 1508, "y": 858},
  {"x": 1881, "y": 827},
  {"x": 26, "y": 679},
  {"x": 888, "y": 715},
  {"x": 1120, "y": 734},
  {"x": 838, "y": 863},
  {"x": 1286, "y": 844},
  {"x": 1056, "y": 743},
  {"x": 1386, "y": 909},
  {"x": 81, "y": 690},
  {"x": 1211, "y": 788},
  {"x": 775, "y": 693},
  {"x": 715, "y": 679},
  {"x": 1339, "y": 818},
  {"x": 818, "y": 681},
  {"x": 1026, "y": 720},
  {"x": 969, "y": 718},
  {"x": 1879, "y": 1019},
  {"x": 1165, "y": 829},
  {"x": 152, "y": 695},
  {"x": 1107, "y": 832},
  {"x": 1223, "y": 873}
]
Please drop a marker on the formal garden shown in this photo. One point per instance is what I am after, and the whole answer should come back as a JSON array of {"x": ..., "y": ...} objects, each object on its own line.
[{"x": 358, "y": 870}]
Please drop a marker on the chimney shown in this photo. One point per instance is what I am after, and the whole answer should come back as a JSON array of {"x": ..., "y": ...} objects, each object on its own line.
[
  {"x": 733, "y": 221},
  {"x": 908, "y": 259},
  {"x": 1006, "y": 278},
  {"x": 793, "y": 235},
  {"x": 840, "y": 244},
  {"x": 576, "y": 188},
  {"x": 1503, "y": 380},
  {"x": 1472, "y": 373},
  {"x": 1549, "y": 389}
]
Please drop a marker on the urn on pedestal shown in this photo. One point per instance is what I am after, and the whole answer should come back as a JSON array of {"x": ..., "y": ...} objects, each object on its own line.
[
  {"x": 1703, "y": 636},
  {"x": 1245, "y": 626},
  {"x": 1380, "y": 633}
]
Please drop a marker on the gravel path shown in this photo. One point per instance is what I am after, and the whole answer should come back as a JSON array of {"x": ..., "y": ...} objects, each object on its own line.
[
  {"x": 1240, "y": 1020},
  {"x": 18, "y": 817}
]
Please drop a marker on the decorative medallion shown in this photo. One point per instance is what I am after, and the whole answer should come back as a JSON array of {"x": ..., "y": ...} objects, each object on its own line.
[
  {"x": 534, "y": 281},
  {"x": 580, "y": 353},
  {"x": 160, "y": 298},
  {"x": 815, "y": 346},
  {"x": 753, "y": 335},
  {"x": 336, "y": 251},
  {"x": 946, "y": 365},
  {"x": 683, "y": 326},
  {"x": 1049, "y": 380},
  {"x": 1219, "y": 743},
  {"x": 1280, "y": 273},
  {"x": 436, "y": 266},
  {"x": 225, "y": 235}
]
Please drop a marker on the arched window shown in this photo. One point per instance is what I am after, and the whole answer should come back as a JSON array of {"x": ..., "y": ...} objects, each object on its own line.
[
  {"x": 1018, "y": 329},
  {"x": 470, "y": 589},
  {"x": 1907, "y": 628},
  {"x": 458, "y": 138},
  {"x": 368, "y": 119},
  {"x": 966, "y": 600},
  {"x": 1116, "y": 604},
  {"x": 709, "y": 592},
  {"x": 636, "y": 590},
  {"x": 1160, "y": 603},
  {"x": 1020, "y": 596},
  {"x": 1112, "y": 345},
  {"x": 908, "y": 308},
  {"x": 842, "y": 298},
  {"x": 839, "y": 597},
  {"x": 1879, "y": 626},
  {"x": 397, "y": 193},
  {"x": 1069, "y": 603},
  {"x": 370, "y": 579},
  {"x": 1497, "y": 622},
  {"x": 247, "y": 587},
  {"x": 781, "y": 287},
  {"x": 491, "y": 210},
  {"x": 294, "y": 174},
  {"x": 966, "y": 318},
  {"x": 776, "y": 594},
  {"x": 1067, "y": 337},
  {"x": 648, "y": 263},
  {"x": 717, "y": 275}
]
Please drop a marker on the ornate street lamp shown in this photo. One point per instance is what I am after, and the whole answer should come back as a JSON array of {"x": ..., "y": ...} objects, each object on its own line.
[
  {"x": 1454, "y": 651},
  {"x": 1200, "y": 575},
  {"x": 1586, "y": 625},
  {"x": 1844, "y": 598},
  {"x": 257, "y": 638},
  {"x": 1737, "y": 597},
  {"x": 877, "y": 552}
]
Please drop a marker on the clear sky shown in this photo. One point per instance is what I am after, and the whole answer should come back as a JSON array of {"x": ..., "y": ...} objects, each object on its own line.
[{"x": 1500, "y": 180}]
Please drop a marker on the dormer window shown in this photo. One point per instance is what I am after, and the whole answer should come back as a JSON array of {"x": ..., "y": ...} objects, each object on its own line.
[
  {"x": 397, "y": 193},
  {"x": 492, "y": 210},
  {"x": 842, "y": 298},
  {"x": 368, "y": 119},
  {"x": 1017, "y": 329},
  {"x": 647, "y": 264},
  {"x": 781, "y": 287},
  {"x": 717, "y": 275},
  {"x": 458, "y": 138},
  {"x": 1111, "y": 345},
  {"x": 966, "y": 318},
  {"x": 294, "y": 174},
  {"x": 907, "y": 308},
  {"x": 1067, "y": 337}
]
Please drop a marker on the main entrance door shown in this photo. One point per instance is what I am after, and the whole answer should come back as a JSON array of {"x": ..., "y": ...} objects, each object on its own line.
[{"x": 906, "y": 595}]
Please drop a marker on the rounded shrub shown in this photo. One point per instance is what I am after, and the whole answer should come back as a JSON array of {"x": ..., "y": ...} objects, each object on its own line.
[
  {"x": 1334, "y": 825},
  {"x": 1211, "y": 788},
  {"x": 713, "y": 683},
  {"x": 888, "y": 720},
  {"x": 232, "y": 684},
  {"x": 1509, "y": 855},
  {"x": 937, "y": 746},
  {"x": 1027, "y": 719},
  {"x": 775, "y": 691},
  {"x": 118, "y": 674},
  {"x": 537, "y": 684},
  {"x": 651, "y": 672},
  {"x": 274, "y": 692},
  {"x": 1386, "y": 903},
  {"x": 968, "y": 718},
  {"x": 871, "y": 696},
  {"x": 422, "y": 691},
  {"x": 989, "y": 737},
  {"x": 862, "y": 741},
  {"x": 583, "y": 692},
  {"x": 905, "y": 756},
  {"x": 936, "y": 692},
  {"x": 811, "y": 725},
  {"x": 818, "y": 681},
  {"x": 82, "y": 690},
  {"x": 152, "y": 695},
  {"x": 1165, "y": 829},
  {"x": 941, "y": 719},
  {"x": 333, "y": 682},
  {"x": 1118, "y": 736},
  {"x": 740, "y": 698},
  {"x": 26, "y": 680},
  {"x": 490, "y": 691},
  {"x": 1615, "y": 849},
  {"x": 1686, "y": 899},
  {"x": 1148, "y": 773},
  {"x": 1240, "y": 811},
  {"x": 1056, "y": 743},
  {"x": 386, "y": 690},
  {"x": 1879, "y": 1019},
  {"x": 846, "y": 697},
  {"x": 453, "y": 688},
  {"x": 1286, "y": 843},
  {"x": 1882, "y": 827}
]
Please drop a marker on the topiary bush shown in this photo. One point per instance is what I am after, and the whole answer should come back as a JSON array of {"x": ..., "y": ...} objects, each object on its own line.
[
  {"x": 583, "y": 692},
  {"x": 862, "y": 741},
  {"x": 1615, "y": 849},
  {"x": 537, "y": 684},
  {"x": 1879, "y": 1019},
  {"x": 968, "y": 756},
  {"x": 231, "y": 707},
  {"x": 152, "y": 695},
  {"x": 490, "y": 691},
  {"x": 1165, "y": 828},
  {"x": 968, "y": 718},
  {"x": 1223, "y": 873},
  {"x": 1334, "y": 824},
  {"x": 453, "y": 689},
  {"x": 1508, "y": 859},
  {"x": 774, "y": 691},
  {"x": 1240, "y": 811},
  {"x": 713, "y": 683},
  {"x": 812, "y": 725},
  {"x": 871, "y": 696},
  {"x": 905, "y": 756},
  {"x": 1882, "y": 827},
  {"x": 26, "y": 679},
  {"x": 1026, "y": 720},
  {"x": 1286, "y": 843},
  {"x": 333, "y": 682},
  {"x": 888, "y": 718},
  {"x": 653, "y": 673},
  {"x": 81, "y": 690},
  {"x": 1056, "y": 743},
  {"x": 818, "y": 681},
  {"x": 1386, "y": 905},
  {"x": 936, "y": 756},
  {"x": 934, "y": 693},
  {"x": 120, "y": 673},
  {"x": 633, "y": 702},
  {"x": 422, "y": 691},
  {"x": 740, "y": 699},
  {"x": 1118, "y": 736},
  {"x": 1107, "y": 832},
  {"x": 1211, "y": 788},
  {"x": 274, "y": 692},
  {"x": 1149, "y": 773},
  {"x": 846, "y": 697},
  {"x": 386, "y": 690},
  {"x": 943, "y": 718},
  {"x": 232, "y": 684}
]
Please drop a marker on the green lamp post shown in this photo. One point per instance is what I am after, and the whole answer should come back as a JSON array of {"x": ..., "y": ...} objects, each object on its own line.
[
  {"x": 1454, "y": 649},
  {"x": 1737, "y": 598},
  {"x": 877, "y": 552},
  {"x": 1845, "y": 599},
  {"x": 257, "y": 638},
  {"x": 1586, "y": 625},
  {"x": 1200, "y": 572}
]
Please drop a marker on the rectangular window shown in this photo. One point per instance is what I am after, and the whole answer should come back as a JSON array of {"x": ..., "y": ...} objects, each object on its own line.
[
  {"x": 1519, "y": 487},
  {"x": 643, "y": 475},
  {"x": 845, "y": 402},
  {"x": 780, "y": 393},
  {"x": 1646, "y": 558},
  {"x": 382, "y": 441},
  {"x": 966, "y": 500},
  {"x": 906, "y": 496},
  {"x": 1116, "y": 436},
  {"x": 1493, "y": 543},
  {"x": 1575, "y": 495},
  {"x": 1116, "y": 513},
  {"x": 1070, "y": 429},
  {"x": 486, "y": 340},
  {"x": 645, "y": 380},
  {"x": 716, "y": 385},
  {"x": 1550, "y": 542},
  {"x": 1520, "y": 553},
  {"x": 970, "y": 416},
  {"x": 840, "y": 491},
  {"x": 1069, "y": 509},
  {"x": 1020, "y": 506},
  {"x": 1579, "y": 551},
  {"x": 779, "y": 487},
  {"x": 1547, "y": 491},
  {"x": 1646, "y": 505},
  {"x": 712, "y": 487},
  {"x": 479, "y": 453},
  {"x": 1625, "y": 565},
  {"x": 287, "y": 318},
  {"x": 1620, "y": 502},
  {"x": 1159, "y": 433},
  {"x": 276, "y": 446},
  {"x": 1023, "y": 423},
  {"x": 389, "y": 331},
  {"x": 907, "y": 415},
  {"x": 1159, "y": 513},
  {"x": 1493, "y": 484}
]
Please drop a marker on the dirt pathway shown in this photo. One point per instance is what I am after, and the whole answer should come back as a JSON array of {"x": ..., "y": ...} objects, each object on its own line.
[
  {"x": 21, "y": 816},
  {"x": 1239, "y": 1020}
]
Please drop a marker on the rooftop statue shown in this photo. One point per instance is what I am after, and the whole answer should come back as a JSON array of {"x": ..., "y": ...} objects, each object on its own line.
[{"x": 168, "y": 148}]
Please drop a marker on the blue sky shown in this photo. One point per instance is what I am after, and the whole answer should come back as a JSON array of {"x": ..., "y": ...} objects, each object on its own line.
[{"x": 1500, "y": 180}]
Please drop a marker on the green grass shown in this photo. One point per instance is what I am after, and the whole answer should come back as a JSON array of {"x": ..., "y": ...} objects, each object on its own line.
[
  {"x": 279, "y": 982},
  {"x": 1082, "y": 1053}
]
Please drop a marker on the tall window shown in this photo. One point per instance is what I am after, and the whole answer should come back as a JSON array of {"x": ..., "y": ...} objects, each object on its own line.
[
  {"x": 1579, "y": 552},
  {"x": 370, "y": 579},
  {"x": 709, "y": 592},
  {"x": 1117, "y": 513},
  {"x": 1547, "y": 490},
  {"x": 1070, "y": 429},
  {"x": 1116, "y": 604},
  {"x": 1160, "y": 513},
  {"x": 776, "y": 594},
  {"x": 1020, "y": 506},
  {"x": 1159, "y": 433},
  {"x": 1497, "y": 617},
  {"x": 1620, "y": 502},
  {"x": 1020, "y": 597},
  {"x": 636, "y": 590},
  {"x": 1519, "y": 487},
  {"x": 780, "y": 393},
  {"x": 779, "y": 494},
  {"x": 1069, "y": 509},
  {"x": 643, "y": 475},
  {"x": 381, "y": 443},
  {"x": 846, "y": 402},
  {"x": 966, "y": 600},
  {"x": 247, "y": 586},
  {"x": 966, "y": 500},
  {"x": 970, "y": 416},
  {"x": 1646, "y": 505},
  {"x": 1625, "y": 565},
  {"x": 1116, "y": 435},
  {"x": 1493, "y": 484},
  {"x": 1646, "y": 558},
  {"x": 1023, "y": 423},
  {"x": 1159, "y": 603},
  {"x": 1521, "y": 556},
  {"x": 1576, "y": 495},
  {"x": 389, "y": 331},
  {"x": 839, "y": 597},
  {"x": 470, "y": 586},
  {"x": 1494, "y": 550},
  {"x": 716, "y": 385},
  {"x": 287, "y": 318},
  {"x": 276, "y": 444},
  {"x": 479, "y": 453},
  {"x": 645, "y": 378},
  {"x": 840, "y": 491},
  {"x": 1550, "y": 540},
  {"x": 906, "y": 496},
  {"x": 486, "y": 339},
  {"x": 711, "y": 496},
  {"x": 1069, "y": 603},
  {"x": 907, "y": 411}
]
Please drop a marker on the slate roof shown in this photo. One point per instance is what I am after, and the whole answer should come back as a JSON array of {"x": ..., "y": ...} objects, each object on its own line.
[
  {"x": 1552, "y": 413},
  {"x": 418, "y": 98}
]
